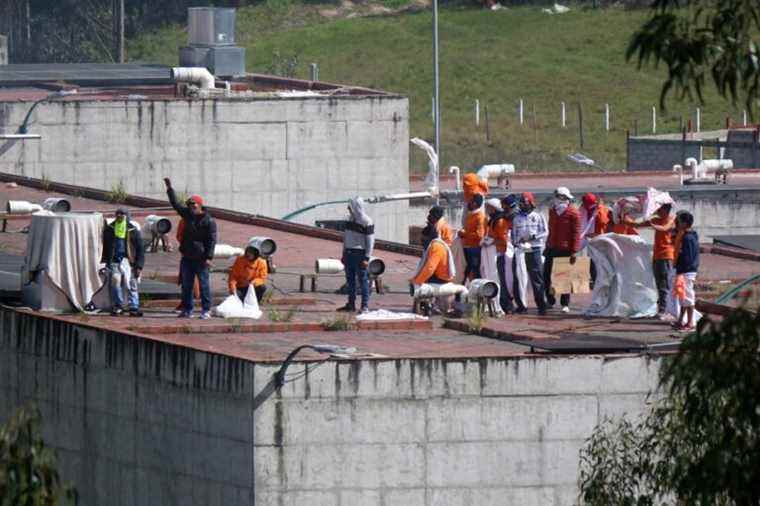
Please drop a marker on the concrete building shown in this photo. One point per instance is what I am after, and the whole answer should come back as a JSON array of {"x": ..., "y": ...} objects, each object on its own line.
[
  {"x": 274, "y": 146},
  {"x": 3, "y": 50},
  {"x": 153, "y": 411}
]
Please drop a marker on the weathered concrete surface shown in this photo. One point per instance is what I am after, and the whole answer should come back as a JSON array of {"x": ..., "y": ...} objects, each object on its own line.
[
  {"x": 265, "y": 156},
  {"x": 3, "y": 50},
  {"x": 138, "y": 422}
]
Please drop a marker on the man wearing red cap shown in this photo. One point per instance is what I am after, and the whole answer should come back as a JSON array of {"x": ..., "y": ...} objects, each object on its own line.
[
  {"x": 197, "y": 249},
  {"x": 595, "y": 220},
  {"x": 564, "y": 240}
]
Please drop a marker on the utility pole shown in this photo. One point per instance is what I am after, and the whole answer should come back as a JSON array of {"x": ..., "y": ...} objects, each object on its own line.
[
  {"x": 437, "y": 97},
  {"x": 117, "y": 7}
]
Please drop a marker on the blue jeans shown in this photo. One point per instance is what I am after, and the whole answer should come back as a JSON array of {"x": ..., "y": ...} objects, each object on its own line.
[
  {"x": 189, "y": 268},
  {"x": 472, "y": 262},
  {"x": 353, "y": 259}
]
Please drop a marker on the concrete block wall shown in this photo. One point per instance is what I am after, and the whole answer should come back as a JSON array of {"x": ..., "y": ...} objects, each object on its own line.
[
  {"x": 439, "y": 432},
  {"x": 137, "y": 422},
  {"x": 656, "y": 154},
  {"x": 747, "y": 156},
  {"x": 265, "y": 156},
  {"x": 133, "y": 422}
]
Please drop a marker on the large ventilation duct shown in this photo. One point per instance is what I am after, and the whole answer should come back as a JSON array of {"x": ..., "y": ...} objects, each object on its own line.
[{"x": 197, "y": 75}]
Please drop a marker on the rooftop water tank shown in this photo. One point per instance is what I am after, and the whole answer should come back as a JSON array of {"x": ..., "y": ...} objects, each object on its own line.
[{"x": 211, "y": 26}]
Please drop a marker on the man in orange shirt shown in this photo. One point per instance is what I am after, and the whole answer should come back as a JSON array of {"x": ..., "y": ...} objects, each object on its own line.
[
  {"x": 664, "y": 253},
  {"x": 435, "y": 266},
  {"x": 472, "y": 234},
  {"x": 248, "y": 269},
  {"x": 595, "y": 220},
  {"x": 499, "y": 224},
  {"x": 435, "y": 218}
]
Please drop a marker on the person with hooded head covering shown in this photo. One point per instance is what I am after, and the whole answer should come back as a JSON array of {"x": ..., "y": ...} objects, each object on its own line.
[
  {"x": 197, "y": 249},
  {"x": 472, "y": 235},
  {"x": 436, "y": 218},
  {"x": 499, "y": 225},
  {"x": 564, "y": 240},
  {"x": 248, "y": 270},
  {"x": 358, "y": 243},
  {"x": 124, "y": 256},
  {"x": 529, "y": 233},
  {"x": 595, "y": 220}
]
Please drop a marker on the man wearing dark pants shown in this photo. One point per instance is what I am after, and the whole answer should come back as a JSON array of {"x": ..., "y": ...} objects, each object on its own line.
[
  {"x": 564, "y": 240},
  {"x": 358, "y": 242},
  {"x": 197, "y": 249},
  {"x": 528, "y": 236}
]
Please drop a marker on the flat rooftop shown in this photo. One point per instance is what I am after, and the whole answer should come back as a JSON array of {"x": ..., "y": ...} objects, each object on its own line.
[
  {"x": 293, "y": 318},
  {"x": 109, "y": 82}
]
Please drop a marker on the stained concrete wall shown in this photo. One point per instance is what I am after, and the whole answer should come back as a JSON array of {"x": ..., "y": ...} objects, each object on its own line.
[
  {"x": 265, "y": 156},
  {"x": 3, "y": 50},
  {"x": 137, "y": 422}
]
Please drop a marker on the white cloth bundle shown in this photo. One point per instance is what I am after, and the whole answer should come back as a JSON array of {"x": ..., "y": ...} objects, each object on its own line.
[
  {"x": 233, "y": 307},
  {"x": 429, "y": 290}
]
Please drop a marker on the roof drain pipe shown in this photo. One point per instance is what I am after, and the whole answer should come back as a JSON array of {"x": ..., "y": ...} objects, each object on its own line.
[{"x": 198, "y": 75}]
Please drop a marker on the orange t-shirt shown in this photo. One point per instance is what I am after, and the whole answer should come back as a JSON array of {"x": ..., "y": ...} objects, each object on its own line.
[
  {"x": 474, "y": 229},
  {"x": 663, "y": 241},
  {"x": 244, "y": 272},
  {"x": 602, "y": 223},
  {"x": 499, "y": 232},
  {"x": 625, "y": 227},
  {"x": 437, "y": 263}
]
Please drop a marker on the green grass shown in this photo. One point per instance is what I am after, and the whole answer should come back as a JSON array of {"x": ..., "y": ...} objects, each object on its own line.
[{"x": 496, "y": 57}]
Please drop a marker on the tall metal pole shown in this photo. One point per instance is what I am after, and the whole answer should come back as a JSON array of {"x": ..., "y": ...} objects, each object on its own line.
[
  {"x": 120, "y": 27},
  {"x": 437, "y": 92}
]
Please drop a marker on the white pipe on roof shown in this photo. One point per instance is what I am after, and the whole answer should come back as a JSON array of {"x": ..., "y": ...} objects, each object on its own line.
[{"x": 199, "y": 75}]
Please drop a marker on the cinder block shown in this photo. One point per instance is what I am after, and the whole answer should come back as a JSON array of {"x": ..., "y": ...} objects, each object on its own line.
[
  {"x": 360, "y": 497},
  {"x": 629, "y": 374},
  {"x": 515, "y": 418},
  {"x": 405, "y": 496},
  {"x": 523, "y": 496},
  {"x": 352, "y": 421},
  {"x": 540, "y": 375},
  {"x": 317, "y": 140},
  {"x": 540, "y": 463}
]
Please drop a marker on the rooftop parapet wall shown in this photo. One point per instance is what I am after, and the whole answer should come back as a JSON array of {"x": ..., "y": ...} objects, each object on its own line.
[
  {"x": 160, "y": 423},
  {"x": 265, "y": 156}
]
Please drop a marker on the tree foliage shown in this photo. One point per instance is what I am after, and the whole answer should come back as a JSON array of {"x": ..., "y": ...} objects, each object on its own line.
[
  {"x": 700, "y": 40},
  {"x": 28, "y": 475},
  {"x": 700, "y": 442}
]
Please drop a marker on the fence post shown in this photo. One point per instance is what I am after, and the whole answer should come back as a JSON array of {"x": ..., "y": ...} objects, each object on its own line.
[
  {"x": 488, "y": 126},
  {"x": 314, "y": 72},
  {"x": 432, "y": 111},
  {"x": 564, "y": 116},
  {"x": 744, "y": 117},
  {"x": 654, "y": 119},
  {"x": 477, "y": 112},
  {"x": 520, "y": 109},
  {"x": 607, "y": 117},
  {"x": 699, "y": 120},
  {"x": 580, "y": 123}
]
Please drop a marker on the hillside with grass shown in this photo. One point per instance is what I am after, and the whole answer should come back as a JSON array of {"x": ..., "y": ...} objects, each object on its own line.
[{"x": 496, "y": 57}]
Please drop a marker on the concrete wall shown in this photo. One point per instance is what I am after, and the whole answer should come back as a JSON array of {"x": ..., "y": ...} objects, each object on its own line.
[
  {"x": 749, "y": 154},
  {"x": 656, "y": 154},
  {"x": 3, "y": 50},
  {"x": 137, "y": 422},
  {"x": 266, "y": 156}
]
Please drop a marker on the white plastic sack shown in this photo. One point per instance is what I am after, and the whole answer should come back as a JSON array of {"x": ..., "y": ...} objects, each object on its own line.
[
  {"x": 521, "y": 277},
  {"x": 384, "y": 314},
  {"x": 624, "y": 283},
  {"x": 457, "y": 251},
  {"x": 233, "y": 307}
]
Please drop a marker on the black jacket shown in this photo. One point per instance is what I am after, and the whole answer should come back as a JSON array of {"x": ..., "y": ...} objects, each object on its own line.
[
  {"x": 135, "y": 248},
  {"x": 199, "y": 237},
  {"x": 688, "y": 257}
]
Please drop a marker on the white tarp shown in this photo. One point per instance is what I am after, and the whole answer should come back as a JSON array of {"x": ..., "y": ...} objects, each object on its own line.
[
  {"x": 233, "y": 307},
  {"x": 524, "y": 288},
  {"x": 489, "y": 270},
  {"x": 66, "y": 249},
  {"x": 641, "y": 207},
  {"x": 624, "y": 283}
]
